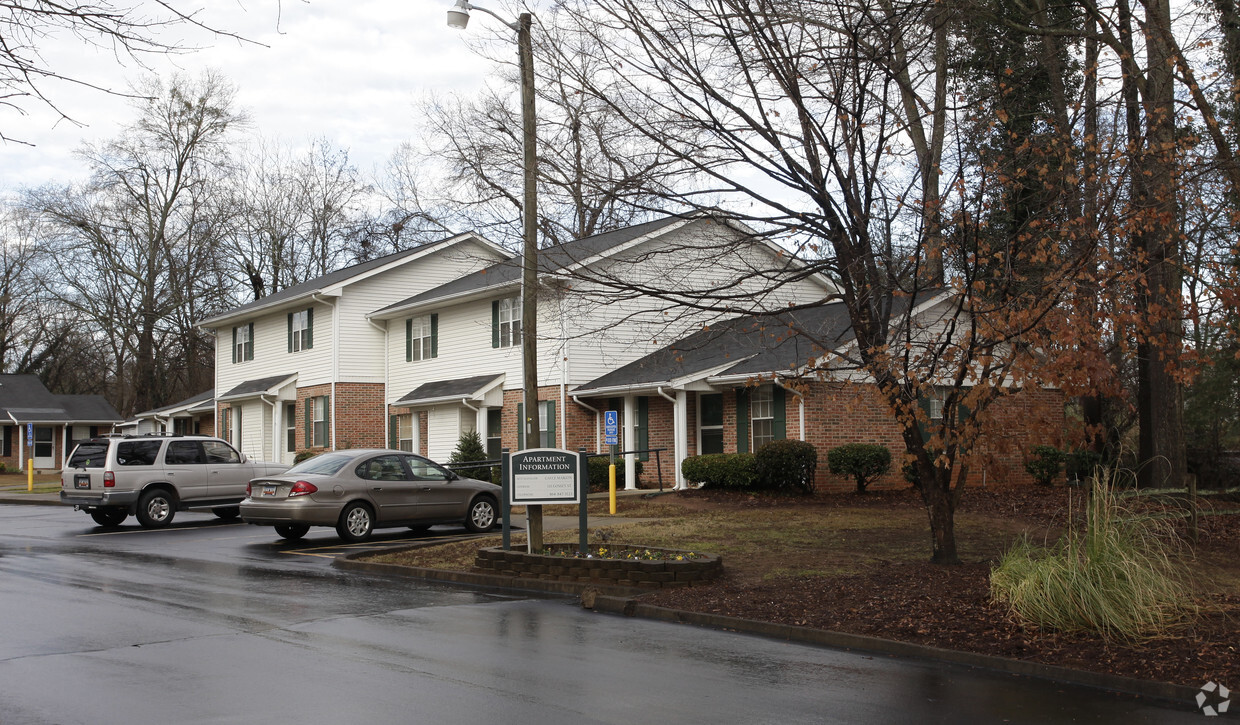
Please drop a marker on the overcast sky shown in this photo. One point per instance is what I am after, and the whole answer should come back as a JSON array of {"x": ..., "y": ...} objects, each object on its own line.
[{"x": 348, "y": 70}]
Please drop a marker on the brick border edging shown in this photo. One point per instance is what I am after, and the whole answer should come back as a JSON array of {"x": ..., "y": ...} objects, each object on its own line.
[{"x": 1163, "y": 691}]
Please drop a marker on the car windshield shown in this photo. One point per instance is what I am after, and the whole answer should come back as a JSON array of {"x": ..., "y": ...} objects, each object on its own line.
[{"x": 326, "y": 464}]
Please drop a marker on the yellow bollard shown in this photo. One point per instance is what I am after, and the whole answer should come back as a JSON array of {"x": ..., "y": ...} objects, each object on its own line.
[
  {"x": 30, "y": 475},
  {"x": 611, "y": 483}
]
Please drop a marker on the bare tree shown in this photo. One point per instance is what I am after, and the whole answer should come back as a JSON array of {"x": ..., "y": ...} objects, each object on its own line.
[
  {"x": 134, "y": 247},
  {"x": 128, "y": 31}
]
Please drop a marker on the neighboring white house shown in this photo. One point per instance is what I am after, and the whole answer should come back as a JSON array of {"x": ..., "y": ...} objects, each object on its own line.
[
  {"x": 193, "y": 416},
  {"x": 305, "y": 368},
  {"x": 41, "y": 427},
  {"x": 453, "y": 352}
]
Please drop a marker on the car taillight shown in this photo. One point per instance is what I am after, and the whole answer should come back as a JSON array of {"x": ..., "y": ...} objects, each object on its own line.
[
  {"x": 249, "y": 490},
  {"x": 302, "y": 488},
  {"x": 109, "y": 479}
]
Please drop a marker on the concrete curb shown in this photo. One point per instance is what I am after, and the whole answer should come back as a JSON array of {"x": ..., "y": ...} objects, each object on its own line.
[
  {"x": 608, "y": 600},
  {"x": 31, "y": 499}
]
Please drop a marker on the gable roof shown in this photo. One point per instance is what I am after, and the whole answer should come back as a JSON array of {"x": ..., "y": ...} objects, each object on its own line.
[
  {"x": 551, "y": 259},
  {"x": 340, "y": 277},
  {"x": 24, "y": 399}
]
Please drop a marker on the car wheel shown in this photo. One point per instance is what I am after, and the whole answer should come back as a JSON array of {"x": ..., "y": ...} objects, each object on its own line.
[
  {"x": 356, "y": 522},
  {"x": 292, "y": 532},
  {"x": 156, "y": 508},
  {"x": 481, "y": 515},
  {"x": 109, "y": 516},
  {"x": 228, "y": 513}
]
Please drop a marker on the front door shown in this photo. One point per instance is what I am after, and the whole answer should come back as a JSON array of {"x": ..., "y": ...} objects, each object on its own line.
[{"x": 44, "y": 447}]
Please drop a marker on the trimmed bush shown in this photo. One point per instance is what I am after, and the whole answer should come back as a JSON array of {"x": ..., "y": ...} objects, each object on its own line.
[
  {"x": 786, "y": 464},
  {"x": 596, "y": 470},
  {"x": 1043, "y": 464},
  {"x": 469, "y": 448},
  {"x": 864, "y": 462},
  {"x": 306, "y": 454},
  {"x": 734, "y": 471},
  {"x": 1080, "y": 465}
]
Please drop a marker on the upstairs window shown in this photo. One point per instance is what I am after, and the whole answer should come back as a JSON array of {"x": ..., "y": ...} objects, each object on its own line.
[
  {"x": 422, "y": 338},
  {"x": 243, "y": 343},
  {"x": 301, "y": 330},
  {"x": 506, "y": 322}
]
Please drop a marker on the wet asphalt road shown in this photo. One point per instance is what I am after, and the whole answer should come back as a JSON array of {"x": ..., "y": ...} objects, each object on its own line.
[{"x": 209, "y": 622}]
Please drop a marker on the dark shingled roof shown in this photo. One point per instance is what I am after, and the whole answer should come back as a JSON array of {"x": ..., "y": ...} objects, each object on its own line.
[
  {"x": 327, "y": 280},
  {"x": 551, "y": 259},
  {"x": 24, "y": 398},
  {"x": 438, "y": 390},
  {"x": 752, "y": 344},
  {"x": 254, "y": 387}
]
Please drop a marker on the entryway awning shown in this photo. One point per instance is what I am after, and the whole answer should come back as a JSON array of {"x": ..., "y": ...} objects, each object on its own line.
[
  {"x": 257, "y": 387},
  {"x": 445, "y": 391}
]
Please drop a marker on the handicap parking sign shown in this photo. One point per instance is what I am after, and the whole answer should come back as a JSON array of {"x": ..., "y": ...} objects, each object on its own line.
[{"x": 611, "y": 427}]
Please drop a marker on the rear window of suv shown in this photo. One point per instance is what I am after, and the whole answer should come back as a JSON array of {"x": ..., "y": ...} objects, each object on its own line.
[
  {"x": 137, "y": 453},
  {"x": 90, "y": 454}
]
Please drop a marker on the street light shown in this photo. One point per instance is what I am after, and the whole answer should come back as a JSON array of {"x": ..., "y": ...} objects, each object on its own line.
[{"x": 458, "y": 17}]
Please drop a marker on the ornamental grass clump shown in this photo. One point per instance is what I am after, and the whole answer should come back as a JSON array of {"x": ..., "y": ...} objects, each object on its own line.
[{"x": 1117, "y": 574}]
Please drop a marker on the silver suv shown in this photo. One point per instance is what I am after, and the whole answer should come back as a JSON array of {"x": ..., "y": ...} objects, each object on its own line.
[{"x": 154, "y": 476}]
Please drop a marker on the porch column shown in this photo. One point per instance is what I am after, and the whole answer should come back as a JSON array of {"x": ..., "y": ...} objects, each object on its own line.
[
  {"x": 21, "y": 448},
  {"x": 277, "y": 421},
  {"x": 680, "y": 414},
  {"x": 630, "y": 442}
]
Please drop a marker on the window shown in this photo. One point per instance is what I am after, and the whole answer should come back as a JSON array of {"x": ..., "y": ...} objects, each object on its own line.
[
  {"x": 225, "y": 423},
  {"x": 382, "y": 468},
  {"x": 290, "y": 422},
  {"x": 935, "y": 404},
  {"x": 506, "y": 322},
  {"x": 137, "y": 453},
  {"x": 424, "y": 470},
  {"x": 762, "y": 416},
  {"x": 422, "y": 338},
  {"x": 243, "y": 343},
  {"x": 546, "y": 425},
  {"x": 301, "y": 330},
  {"x": 711, "y": 417},
  {"x": 404, "y": 437},
  {"x": 495, "y": 444},
  {"x": 182, "y": 453},
  {"x": 318, "y": 424},
  {"x": 217, "y": 452}
]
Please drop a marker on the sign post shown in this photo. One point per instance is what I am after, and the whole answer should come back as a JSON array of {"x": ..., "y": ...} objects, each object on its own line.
[
  {"x": 611, "y": 435},
  {"x": 30, "y": 460},
  {"x": 542, "y": 476}
]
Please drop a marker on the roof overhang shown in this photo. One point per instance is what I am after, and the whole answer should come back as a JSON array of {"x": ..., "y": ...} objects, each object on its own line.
[
  {"x": 451, "y": 391},
  {"x": 258, "y": 388}
]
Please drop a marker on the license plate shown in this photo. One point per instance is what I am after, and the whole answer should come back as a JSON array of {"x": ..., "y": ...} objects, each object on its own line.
[
  {"x": 269, "y": 490},
  {"x": 81, "y": 480}
]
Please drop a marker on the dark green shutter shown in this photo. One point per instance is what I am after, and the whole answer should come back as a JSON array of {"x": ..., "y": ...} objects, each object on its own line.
[
  {"x": 549, "y": 435},
  {"x": 520, "y": 426},
  {"x": 309, "y": 327},
  {"x": 742, "y": 420},
  {"x": 779, "y": 426},
  {"x": 234, "y": 352},
  {"x": 409, "y": 340},
  {"x": 249, "y": 351},
  {"x": 434, "y": 335},
  {"x": 290, "y": 332},
  {"x": 328, "y": 440},
  {"x": 309, "y": 441},
  {"x": 393, "y": 431},
  {"x": 643, "y": 427},
  {"x": 495, "y": 327}
]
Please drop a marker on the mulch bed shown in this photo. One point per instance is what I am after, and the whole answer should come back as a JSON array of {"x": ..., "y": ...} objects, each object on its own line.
[{"x": 950, "y": 606}]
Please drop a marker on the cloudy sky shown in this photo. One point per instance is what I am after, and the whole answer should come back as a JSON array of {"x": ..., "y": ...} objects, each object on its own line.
[{"x": 348, "y": 70}]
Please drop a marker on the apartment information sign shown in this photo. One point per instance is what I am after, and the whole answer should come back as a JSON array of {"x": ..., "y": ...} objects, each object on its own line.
[{"x": 545, "y": 476}]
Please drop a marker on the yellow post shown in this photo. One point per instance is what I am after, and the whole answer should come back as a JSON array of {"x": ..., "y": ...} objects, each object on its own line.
[
  {"x": 611, "y": 486},
  {"x": 30, "y": 475}
]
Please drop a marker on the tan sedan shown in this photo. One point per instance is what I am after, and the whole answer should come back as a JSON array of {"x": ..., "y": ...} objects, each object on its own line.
[{"x": 359, "y": 490}]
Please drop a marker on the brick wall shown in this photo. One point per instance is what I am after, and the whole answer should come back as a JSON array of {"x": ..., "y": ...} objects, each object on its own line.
[{"x": 359, "y": 414}]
